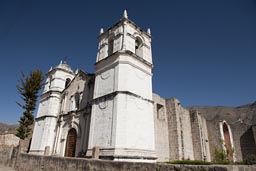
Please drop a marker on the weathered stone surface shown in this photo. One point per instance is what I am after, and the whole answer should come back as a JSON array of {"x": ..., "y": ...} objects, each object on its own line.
[
  {"x": 27, "y": 162},
  {"x": 8, "y": 155},
  {"x": 9, "y": 140},
  {"x": 161, "y": 129},
  {"x": 180, "y": 133},
  {"x": 242, "y": 121}
]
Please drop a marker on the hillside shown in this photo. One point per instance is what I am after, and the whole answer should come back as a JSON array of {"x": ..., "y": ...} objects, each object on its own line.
[
  {"x": 5, "y": 128},
  {"x": 244, "y": 114}
]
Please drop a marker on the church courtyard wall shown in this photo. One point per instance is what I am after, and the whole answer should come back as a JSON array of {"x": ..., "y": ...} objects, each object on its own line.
[
  {"x": 30, "y": 162},
  {"x": 180, "y": 135},
  {"x": 161, "y": 129}
]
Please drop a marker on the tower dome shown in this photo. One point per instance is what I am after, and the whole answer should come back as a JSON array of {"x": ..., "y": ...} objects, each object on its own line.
[{"x": 64, "y": 66}]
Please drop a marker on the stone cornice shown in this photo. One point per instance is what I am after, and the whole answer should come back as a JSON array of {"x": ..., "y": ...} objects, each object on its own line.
[
  {"x": 45, "y": 116},
  {"x": 125, "y": 52},
  {"x": 123, "y": 21},
  {"x": 113, "y": 94},
  {"x": 56, "y": 69}
]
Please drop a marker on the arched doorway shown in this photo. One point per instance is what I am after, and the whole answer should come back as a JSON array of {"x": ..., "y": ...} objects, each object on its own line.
[
  {"x": 227, "y": 141},
  {"x": 71, "y": 143}
]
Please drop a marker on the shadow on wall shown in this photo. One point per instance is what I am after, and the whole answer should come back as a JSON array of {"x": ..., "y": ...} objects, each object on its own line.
[{"x": 248, "y": 145}]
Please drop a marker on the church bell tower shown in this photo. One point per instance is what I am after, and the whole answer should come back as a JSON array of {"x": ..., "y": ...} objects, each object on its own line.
[
  {"x": 122, "y": 123},
  {"x": 49, "y": 108}
]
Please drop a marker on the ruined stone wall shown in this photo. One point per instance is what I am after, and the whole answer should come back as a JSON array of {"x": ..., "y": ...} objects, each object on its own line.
[
  {"x": 205, "y": 138},
  {"x": 215, "y": 141},
  {"x": 8, "y": 155},
  {"x": 186, "y": 134},
  {"x": 180, "y": 135},
  {"x": 9, "y": 140},
  {"x": 5, "y": 153},
  {"x": 200, "y": 136},
  {"x": 161, "y": 129},
  {"x": 243, "y": 137},
  {"x": 196, "y": 135},
  {"x": 172, "y": 129},
  {"x": 241, "y": 121},
  {"x": 244, "y": 141}
]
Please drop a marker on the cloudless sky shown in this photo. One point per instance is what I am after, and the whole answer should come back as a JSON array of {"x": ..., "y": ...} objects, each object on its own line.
[{"x": 204, "y": 51}]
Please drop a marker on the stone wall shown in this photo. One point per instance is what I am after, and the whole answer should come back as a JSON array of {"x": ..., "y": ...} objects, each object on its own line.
[
  {"x": 161, "y": 129},
  {"x": 173, "y": 130},
  {"x": 8, "y": 155},
  {"x": 9, "y": 140},
  {"x": 196, "y": 135},
  {"x": 200, "y": 136},
  {"x": 241, "y": 121},
  {"x": 30, "y": 162},
  {"x": 180, "y": 135}
]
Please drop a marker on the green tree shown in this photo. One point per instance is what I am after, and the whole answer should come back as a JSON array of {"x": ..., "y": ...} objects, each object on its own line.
[{"x": 28, "y": 88}]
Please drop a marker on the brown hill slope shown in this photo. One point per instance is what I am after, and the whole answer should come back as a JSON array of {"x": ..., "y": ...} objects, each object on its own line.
[
  {"x": 244, "y": 114},
  {"x": 5, "y": 128}
]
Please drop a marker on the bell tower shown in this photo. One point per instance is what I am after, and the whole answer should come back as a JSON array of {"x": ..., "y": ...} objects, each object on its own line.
[
  {"x": 122, "y": 124},
  {"x": 49, "y": 107}
]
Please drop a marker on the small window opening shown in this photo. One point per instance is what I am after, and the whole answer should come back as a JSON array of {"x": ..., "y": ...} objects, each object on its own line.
[
  {"x": 110, "y": 46},
  {"x": 77, "y": 100},
  {"x": 67, "y": 82},
  {"x": 50, "y": 82},
  {"x": 160, "y": 112}
]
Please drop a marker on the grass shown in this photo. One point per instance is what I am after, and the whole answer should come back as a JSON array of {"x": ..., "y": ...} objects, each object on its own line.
[
  {"x": 191, "y": 162},
  {"x": 198, "y": 162}
]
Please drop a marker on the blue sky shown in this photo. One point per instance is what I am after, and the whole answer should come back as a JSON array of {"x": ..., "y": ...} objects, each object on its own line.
[{"x": 204, "y": 52}]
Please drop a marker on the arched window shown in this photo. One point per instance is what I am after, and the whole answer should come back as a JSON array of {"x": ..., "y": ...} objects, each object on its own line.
[
  {"x": 138, "y": 47},
  {"x": 73, "y": 106},
  {"x": 70, "y": 150},
  {"x": 50, "y": 82},
  {"x": 227, "y": 140},
  {"x": 67, "y": 82},
  {"x": 75, "y": 100},
  {"x": 110, "y": 46},
  {"x": 226, "y": 135}
]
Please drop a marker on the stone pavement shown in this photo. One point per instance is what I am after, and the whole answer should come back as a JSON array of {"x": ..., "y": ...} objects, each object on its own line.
[{"x": 4, "y": 168}]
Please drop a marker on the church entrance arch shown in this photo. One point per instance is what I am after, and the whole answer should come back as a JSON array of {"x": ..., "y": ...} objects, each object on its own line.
[{"x": 71, "y": 143}]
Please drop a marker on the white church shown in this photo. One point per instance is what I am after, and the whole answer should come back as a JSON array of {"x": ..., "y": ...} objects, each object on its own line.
[{"x": 115, "y": 110}]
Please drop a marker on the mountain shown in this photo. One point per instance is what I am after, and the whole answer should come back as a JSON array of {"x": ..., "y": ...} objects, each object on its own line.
[
  {"x": 5, "y": 128},
  {"x": 244, "y": 114}
]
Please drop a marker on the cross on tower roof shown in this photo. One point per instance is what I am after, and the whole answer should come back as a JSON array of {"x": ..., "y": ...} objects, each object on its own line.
[{"x": 65, "y": 59}]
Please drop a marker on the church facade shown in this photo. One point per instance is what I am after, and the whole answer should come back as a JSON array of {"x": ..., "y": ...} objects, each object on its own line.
[{"x": 115, "y": 110}]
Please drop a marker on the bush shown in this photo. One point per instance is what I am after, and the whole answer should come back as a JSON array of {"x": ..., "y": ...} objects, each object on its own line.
[
  {"x": 222, "y": 157},
  {"x": 250, "y": 159},
  {"x": 191, "y": 162}
]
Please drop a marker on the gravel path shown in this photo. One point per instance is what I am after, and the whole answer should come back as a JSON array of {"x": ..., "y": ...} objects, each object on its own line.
[{"x": 4, "y": 168}]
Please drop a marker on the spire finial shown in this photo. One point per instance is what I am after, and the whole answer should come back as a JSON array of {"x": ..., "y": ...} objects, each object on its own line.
[
  {"x": 125, "y": 15},
  {"x": 65, "y": 59},
  {"x": 101, "y": 30},
  {"x": 60, "y": 61},
  {"x": 149, "y": 31}
]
